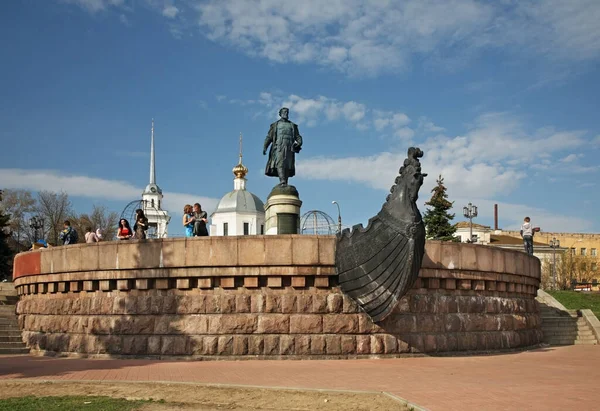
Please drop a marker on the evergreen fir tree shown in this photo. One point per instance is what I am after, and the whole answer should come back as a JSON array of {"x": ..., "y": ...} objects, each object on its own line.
[
  {"x": 437, "y": 219},
  {"x": 6, "y": 253}
]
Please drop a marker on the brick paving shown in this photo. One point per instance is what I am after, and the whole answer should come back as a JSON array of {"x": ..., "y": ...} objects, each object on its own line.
[{"x": 561, "y": 378}]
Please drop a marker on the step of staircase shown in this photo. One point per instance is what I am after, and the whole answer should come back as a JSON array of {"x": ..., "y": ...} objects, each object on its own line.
[
  {"x": 564, "y": 327},
  {"x": 570, "y": 341},
  {"x": 14, "y": 351},
  {"x": 580, "y": 334},
  {"x": 15, "y": 337},
  {"x": 12, "y": 344}
]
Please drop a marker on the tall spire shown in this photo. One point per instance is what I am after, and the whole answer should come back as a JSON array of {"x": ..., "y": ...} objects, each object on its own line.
[
  {"x": 240, "y": 148},
  {"x": 152, "y": 170}
]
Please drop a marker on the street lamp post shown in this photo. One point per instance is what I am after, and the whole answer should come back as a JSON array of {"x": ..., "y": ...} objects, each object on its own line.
[
  {"x": 339, "y": 216},
  {"x": 470, "y": 212},
  {"x": 36, "y": 223},
  {"x": 554, "y": 243}
]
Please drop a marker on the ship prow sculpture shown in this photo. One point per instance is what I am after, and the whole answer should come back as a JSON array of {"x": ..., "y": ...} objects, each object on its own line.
[{"x": 377, "y": 265}]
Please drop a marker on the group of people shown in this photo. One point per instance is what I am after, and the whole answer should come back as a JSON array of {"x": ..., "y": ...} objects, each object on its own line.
[
  {"x": 194, "y": 221},
  {"x": 139, "y": 228}
]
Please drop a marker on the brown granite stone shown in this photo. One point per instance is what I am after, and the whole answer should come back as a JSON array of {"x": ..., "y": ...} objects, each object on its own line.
[
  {"x": 376, "y": 344},
  {"x": 256, "y": 345},
  {"x": 318, "y": 344},
  {"x": 251, "y": 282},
  {"x": 298, "y": 281},
  {"x": 286, "y": 345},
  {"x": 240, "y": 345},
  {"x": 274, "y": 282},
  {"x": 227, "y": 282},
  {"x": 273, "y": 324},
  {"x": 228, "y": 304},
  {"x": 306, "y": 324},
  {"x": 272, "y": 303},
  {"x": 340, "y": 324},
  {"x": 243, "y": 303},
  {"x": 334, "y": 303},
  {"x": 333, "y": 344},
  {"x": 348, "y": 344},
  {"x": 319, "y": 303},
  {"x": 271, "y": 344},
  {"x": 206, "y": 282},
  {"x": 225, "y": 345},
  {"x": 257, "y": 303},
  {"x": 288, "y": 303}
]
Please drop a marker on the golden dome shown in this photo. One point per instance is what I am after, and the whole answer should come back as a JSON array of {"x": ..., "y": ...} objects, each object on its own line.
[{"x": 240, "y": 170}]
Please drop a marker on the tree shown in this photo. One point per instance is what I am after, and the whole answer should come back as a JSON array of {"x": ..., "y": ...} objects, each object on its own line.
[
  {"x": 6, "y": 253},
  {"x": 100, "y": 218},
  {"x": 437, "y": 218},
  {"x": 20, "y": 204},
  {"x": 54, "y": 208},
  {"x": 568, "y": 267}
]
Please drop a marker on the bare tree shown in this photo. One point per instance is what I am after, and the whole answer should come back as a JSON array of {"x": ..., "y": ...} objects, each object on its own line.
[
  {"x": 20, "y": 205},
  {"x": 101, "y": 218},
  {"x": 54, "y": 208}
]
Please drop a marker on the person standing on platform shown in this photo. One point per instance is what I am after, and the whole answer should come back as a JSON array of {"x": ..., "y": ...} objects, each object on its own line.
[{"x": 527, "y": 232}]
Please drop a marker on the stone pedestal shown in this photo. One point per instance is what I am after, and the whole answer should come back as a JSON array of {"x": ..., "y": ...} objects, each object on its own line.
[{"x": 282, "y": 211}]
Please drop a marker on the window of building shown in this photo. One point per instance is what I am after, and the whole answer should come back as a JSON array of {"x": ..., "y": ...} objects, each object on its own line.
[
  {"x": 594, "y": 266},
  {"x": 225, "y": 228},
  {"x": 159, "y": 204},
  {"x": 583, "y": 251},
  {"x": 583, "y": 267},
  {"x": 572, "y": 251},
  {"x": 152, "y": 202},
  {"x": 262, "y": 229},
  {"x": 593, "y": 252},
  {"x": 246, "y": 228}
]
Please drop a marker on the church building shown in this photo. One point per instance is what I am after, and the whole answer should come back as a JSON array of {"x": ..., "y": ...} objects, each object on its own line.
[
  {"x": 239, "y": 212},
  {"x": 158, "y": 219}
]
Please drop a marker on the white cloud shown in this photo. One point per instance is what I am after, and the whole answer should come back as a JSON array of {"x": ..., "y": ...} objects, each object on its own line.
[
  {"x": 170, "y": 11},
  {"x": 405, "y": 133},
  {"x": 494, "y": 156},
  {"x": 371, "y": 37},
  {"x": 94, "y": 6},
  {"x": 427, "y": 126},
  {"x": 570, "y": 158},
  {"x": 92, "y": 187}
]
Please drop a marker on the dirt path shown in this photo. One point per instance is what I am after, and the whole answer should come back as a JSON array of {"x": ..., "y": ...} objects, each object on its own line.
[{"x": 184, "y": 396}]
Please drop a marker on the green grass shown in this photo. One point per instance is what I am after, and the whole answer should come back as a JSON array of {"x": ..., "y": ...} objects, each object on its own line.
[
  {"x": 31, "y": 403},
  {"x": 576, "y": 300}
]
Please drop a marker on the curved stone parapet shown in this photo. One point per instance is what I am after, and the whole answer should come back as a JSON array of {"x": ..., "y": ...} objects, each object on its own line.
[{"x": 265, "y": 297}]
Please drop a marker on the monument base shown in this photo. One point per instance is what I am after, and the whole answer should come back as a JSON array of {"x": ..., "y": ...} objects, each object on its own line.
[{"x": 282, "y": 211}]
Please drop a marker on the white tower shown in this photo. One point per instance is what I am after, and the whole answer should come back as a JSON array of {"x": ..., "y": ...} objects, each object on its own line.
[
  {"x": 152, "y": 198},
  {"x": 239, "y": 212}
]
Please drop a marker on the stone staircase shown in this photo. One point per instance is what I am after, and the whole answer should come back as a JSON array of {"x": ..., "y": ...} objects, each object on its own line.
[
  {"x": 564, "y": 327},
  {"x": 11, "y": 341}
]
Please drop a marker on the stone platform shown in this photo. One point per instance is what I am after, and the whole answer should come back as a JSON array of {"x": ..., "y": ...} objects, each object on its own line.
[{"x": 266, "y": 297}]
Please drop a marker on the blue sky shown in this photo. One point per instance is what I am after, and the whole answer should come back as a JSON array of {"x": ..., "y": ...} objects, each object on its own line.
[{"x": 501, "y": 96}]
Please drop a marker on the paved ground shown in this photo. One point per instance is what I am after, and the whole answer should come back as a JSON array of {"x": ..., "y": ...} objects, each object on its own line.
[{"x": 563, "y": 378}]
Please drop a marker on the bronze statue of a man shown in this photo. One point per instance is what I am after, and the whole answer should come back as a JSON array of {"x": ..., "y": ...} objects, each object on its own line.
[{"x": 285, "y": 142}]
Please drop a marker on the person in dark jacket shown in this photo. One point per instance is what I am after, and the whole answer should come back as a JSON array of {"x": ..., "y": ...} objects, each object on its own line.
[{"x": 200, "y": 220}]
